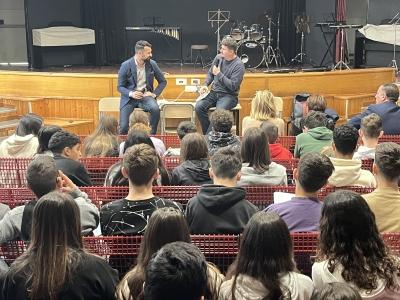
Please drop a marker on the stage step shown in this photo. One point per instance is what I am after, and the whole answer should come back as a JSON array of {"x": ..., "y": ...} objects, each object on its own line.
[{"x": 7, "y": 127}]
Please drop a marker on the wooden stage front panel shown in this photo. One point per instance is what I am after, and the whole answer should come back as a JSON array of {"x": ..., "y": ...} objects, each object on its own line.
[{"x": 76, "y": 95}]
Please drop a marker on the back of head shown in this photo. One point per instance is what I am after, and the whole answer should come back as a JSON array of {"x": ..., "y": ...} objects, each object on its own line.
[
  {"x": 335, "y": 291},
  {"x": 42, "y": 175},
  {"x": 136, "y": 137},
  {"x": 221, "y": 120},
  {"x": 315, "y": 119},
  {"x": 230, "y": 43},
  {"x": 138, "y": 116},
  {"x": 316, "y": 103},
  {"x": 255, "y": 149},
  {"x": 387, "y": 158},
  {"x": 225, "y": 163},
  {"x": 184, "y": 128},
  {"x": 108, "y": 125},
  {"x": 103, "y": 141},
  {"x": 371, "y": 126},
  {"x": 314, "y": 170},
  {"x": 345, "y": 139},
  {"x": 266, "y": 251},
  {"x": 263, "y": 106},
  {"x": 271, "y": 130},
  {"x": 178, "y": 271},
  {"x": 61, "y": 140},
  {"x": 193, "y": 147},
  {"x": 139, "y": 46},
  {"x": 44, "y": 135},
  {"x": 140, "y": 127},
  {"x": 392, "y": 91},
  {"x": 141, "y": 163},
  {"x": 350, "y": 237},
  {"x": 29, "y": 124}
]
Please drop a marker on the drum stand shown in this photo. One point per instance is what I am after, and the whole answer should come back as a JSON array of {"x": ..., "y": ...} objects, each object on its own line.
[
  {"x": 270, "y": 55},
  {"x": 299, "y": 58},
  {"x": 279, "y": 54}
]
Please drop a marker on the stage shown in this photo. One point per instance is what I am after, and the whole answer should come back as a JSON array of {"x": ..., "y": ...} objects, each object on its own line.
[{"x": 74, "y": 93}]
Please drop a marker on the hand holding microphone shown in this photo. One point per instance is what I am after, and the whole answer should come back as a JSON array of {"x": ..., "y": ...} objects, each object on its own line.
[{"x": 216, "y": 69}]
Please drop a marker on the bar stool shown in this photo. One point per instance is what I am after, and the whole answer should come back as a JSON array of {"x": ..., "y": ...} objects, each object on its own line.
[
  {"x": 236, "y": 118},
  {"x": 198, "y": 49}
]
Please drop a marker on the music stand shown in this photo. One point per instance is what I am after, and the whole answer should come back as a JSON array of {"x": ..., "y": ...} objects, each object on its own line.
[
  {"x": 395, "y": 21},
  {"x": 302, "y": 26},
  {"x": 221, "y": 17}
]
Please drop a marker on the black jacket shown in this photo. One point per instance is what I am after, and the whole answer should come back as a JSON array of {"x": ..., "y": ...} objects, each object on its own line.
[
  {"x": 73, "y": 169},
  {"x": 192, "y": 172},
  {"x": 219, "y": 209},
  {"x": 217, "y": 140}
]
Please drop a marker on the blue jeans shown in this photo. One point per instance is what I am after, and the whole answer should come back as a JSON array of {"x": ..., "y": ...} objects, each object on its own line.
[
  {"x": 214, "y": 99},
  {"x": 148, "y": 104}
]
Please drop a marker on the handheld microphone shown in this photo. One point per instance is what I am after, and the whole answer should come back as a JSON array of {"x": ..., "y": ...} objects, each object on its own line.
[{"x": 217, "y": 61}]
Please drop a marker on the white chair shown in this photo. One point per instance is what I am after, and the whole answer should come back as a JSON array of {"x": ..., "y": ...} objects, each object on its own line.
[
  {"x": 109, "y": 104},
  {"x": 175, "y": 110}
]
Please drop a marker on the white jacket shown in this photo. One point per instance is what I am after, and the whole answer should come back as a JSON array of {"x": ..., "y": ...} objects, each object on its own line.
[
  {"x": 349, "y": 172},
  {"x": 19, "y": 146}
]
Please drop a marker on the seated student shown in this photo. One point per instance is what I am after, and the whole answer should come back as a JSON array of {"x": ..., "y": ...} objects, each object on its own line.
[
  {"x": 384, "y": 201},
  {"x": 276, "y": 150},
  {"x": 44, "y": 136},
  {"x": 43, "y": 177},
  {"x": 335, "y": 291},
  {"x": 303, "y": 211},
  {"x": 183, "y": 129},
  {"x": 114, "y": 176},
  {"x": 318, "y": 103},
  {"x": 66, "y": 148},
  {"x": 220, "y": 136},
  {"x": 166, "y": 225},
  {"x": 348, "y": 170},
  {"x": 315, "y": 135},
  {"x": 103, "y": 142},
  {"x": 264, "y": 267},
  {"x": 177, "y": 271},
  {"x": 220, "y": 207},
  {"x": 129, "y": 216},
  {"x": 55, "y": 265},
  {"x": 257, "y": 168},
  {"x": 351, "y": 250},
  {"x": 370, "y": 132},
  {"x": 194, "y": 169},
  {"x": 141, "y": 118},
  {"x": 24, "y": 142}
]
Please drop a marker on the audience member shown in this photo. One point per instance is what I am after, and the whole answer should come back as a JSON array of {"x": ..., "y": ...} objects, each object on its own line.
[
  {"x": 264, "y": 267},
  {"x": 42, "y": 178},
  {"x": 370, "y": 132},
  {"x": 276, "y": 150},
  {"x": 103, "y": 142},
  {"x": 263, "y": 108},
  {"x": 165, "y": 225},
  {"x": 55, "y": 265},
  {"x": 129, "y": 216},
  {"x": 177, "y": 271},
  {"x": 318, "y": 103},
  {"x": 183, "y": 129},
  {"x": 315, "y": 135},
  {"x": 257, "y": 168},
  {"x": 351, "y": 250},
  {"x": 303, "y": 211},
  {"x": 66, "y": 148},
  {"x": 335, "y": 291},
  {"x": 114, "y": 176},
  {"x": 220, "y": 136},
  {"x": 44, "y": 135},
  {"x": 139, "y": 116},
  {"x": 384, "y": 201},
  {"x": 220, "y": 207},
  {"x": 385, "y": 107},
  {"x": 348, "y": 170},
  {"x": 24, "y": 142},
  {"x": 194, "y": 169}
]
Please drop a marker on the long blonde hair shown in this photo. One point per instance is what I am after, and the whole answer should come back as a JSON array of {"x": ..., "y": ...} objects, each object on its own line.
[{"x": 263, "y": 106}]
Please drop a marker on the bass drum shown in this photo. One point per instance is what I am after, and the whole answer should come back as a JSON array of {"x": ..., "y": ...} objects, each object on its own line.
[{"x": 251, "y": 53}]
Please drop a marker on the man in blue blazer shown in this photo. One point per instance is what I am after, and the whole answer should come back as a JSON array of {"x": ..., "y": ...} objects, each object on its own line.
[
  {"x": 135, "y": 83},
  {"x": 385, "y": 107}
]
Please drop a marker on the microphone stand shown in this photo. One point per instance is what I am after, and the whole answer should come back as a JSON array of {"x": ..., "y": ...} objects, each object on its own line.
[{"x": 395, "y": 21}]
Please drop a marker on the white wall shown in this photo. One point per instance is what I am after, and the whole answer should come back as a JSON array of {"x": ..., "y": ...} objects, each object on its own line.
[{"x": 12, "y": 40}]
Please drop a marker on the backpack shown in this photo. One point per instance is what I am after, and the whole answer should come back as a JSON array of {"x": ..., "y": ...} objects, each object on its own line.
[{"x": 300, "y": 109}]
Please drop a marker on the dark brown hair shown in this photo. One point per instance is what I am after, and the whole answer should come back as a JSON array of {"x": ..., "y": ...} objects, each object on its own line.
[
  {"x": 371, "y": 126},
  {"x": 193, "y": 147},
  {"x": 316, "y": 103},
  {"x": 221, "y": 120},
  {"x": 255, "y": 150}
]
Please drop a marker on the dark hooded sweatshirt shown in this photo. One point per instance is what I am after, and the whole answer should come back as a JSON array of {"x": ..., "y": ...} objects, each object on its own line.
[
  {"x": 219, "y": 209},
  {"x": 217, "y": 140},
  {"x": 192, "y": 172}
]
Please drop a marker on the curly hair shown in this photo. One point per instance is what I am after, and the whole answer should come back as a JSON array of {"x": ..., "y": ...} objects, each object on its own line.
[
  {"x": 350, "y": 238},
  {"x": 221, "y": 120}
]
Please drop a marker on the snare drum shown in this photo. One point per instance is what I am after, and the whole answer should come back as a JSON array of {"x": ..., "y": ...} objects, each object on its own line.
[
  {"x": 256, "y": 32},
  {"x": 251, "y": 53}
]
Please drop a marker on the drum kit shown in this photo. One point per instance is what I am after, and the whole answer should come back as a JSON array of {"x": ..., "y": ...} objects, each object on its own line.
[{"x": 255, "y": 49}]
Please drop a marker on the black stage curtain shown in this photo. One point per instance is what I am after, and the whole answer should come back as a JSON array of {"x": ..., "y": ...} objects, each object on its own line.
[{"x": 288, "y": 10}]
